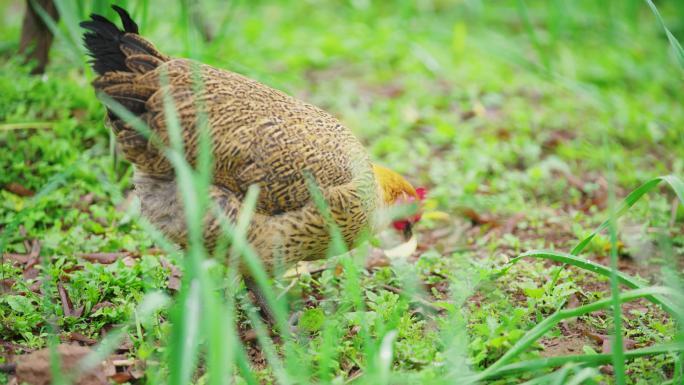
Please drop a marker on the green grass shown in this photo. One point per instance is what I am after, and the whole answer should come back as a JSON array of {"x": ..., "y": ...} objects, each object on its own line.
[{"x": 540, "y": 127}]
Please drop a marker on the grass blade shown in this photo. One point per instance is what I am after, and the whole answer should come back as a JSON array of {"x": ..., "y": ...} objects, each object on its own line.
[
  {"x": 675, "y": 183},
  {"x": 547, "y": 324},
  {"x": 587, "y": 359},
  {"x": 617, "y": 338},
  {"x": 674, "y": 43},
  {"x": 582, "y": 263},
  {"x": 76, "y": 49},
  {"x": 184, "y": 341}
]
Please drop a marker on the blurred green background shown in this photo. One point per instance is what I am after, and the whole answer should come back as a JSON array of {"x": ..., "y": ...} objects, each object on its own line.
[{"x": 521, "y": 117}]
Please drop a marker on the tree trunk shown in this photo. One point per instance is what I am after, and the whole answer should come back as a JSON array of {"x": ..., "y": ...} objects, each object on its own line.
[{"x": 36, "y": 37}]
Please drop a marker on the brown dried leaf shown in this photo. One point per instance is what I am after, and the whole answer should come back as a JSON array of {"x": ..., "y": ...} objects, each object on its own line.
[
  {"x": 30, "y": 273},
  {"x": 104, "y": 258},
  {"x": 558, "y": 137},
  {"x": 467, "y": 115},
  {"x": 606, "y": 342},
  {"x": 152, "y": 251},
  {"x": 65, "y": 277},
  {"x": 35, "y": 368},
  {"x": 121, "y": 377},
  {"x": 18, "y": 258},
  {"x": 606, "y": 347},
  {"x": 78, "y": 337},
  {"x": 480, "y": 219},
  {"x": 35, "y": 249},
  {"x": 504, "y": 134},
  {"x": 6, "y": 285},
  {"x": 248, "y": 336},
  {"x": 18, "y": 189},
  {"x": 37, "y": 286},
  {"x": 67, "y": 306}
]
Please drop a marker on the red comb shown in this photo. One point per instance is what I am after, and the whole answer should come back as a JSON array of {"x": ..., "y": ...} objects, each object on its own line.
[{"x": 421, "y": 192}]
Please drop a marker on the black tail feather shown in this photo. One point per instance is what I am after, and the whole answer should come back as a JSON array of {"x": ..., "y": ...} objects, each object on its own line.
[
  {"x": 128, "y": 23},
  {"x": 103, "y": 42}
]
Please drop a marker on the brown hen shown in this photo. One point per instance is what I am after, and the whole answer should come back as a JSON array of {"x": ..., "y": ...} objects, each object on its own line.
[{"x": 260, "y": 136}]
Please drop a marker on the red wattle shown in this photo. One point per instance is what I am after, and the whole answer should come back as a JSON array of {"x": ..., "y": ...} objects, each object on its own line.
[{"x": 399, "y": 225}]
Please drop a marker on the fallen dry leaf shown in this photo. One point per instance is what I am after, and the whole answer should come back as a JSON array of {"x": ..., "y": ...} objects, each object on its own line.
[
  {"x": 480, "y": 219},
  {"x": 67, "y": 305},
  {"x": 557, "y": 138},
  {"x": 6, "y": 285},
  {"x": 18, "y": 189},
  {"x": 37, "y": 286},
  {"x": 606, "y": 342},
  {"x": 30, "y": 271},
  {"x": 104, "y": 258},
  {"x": 35, "y": 249},
  {"x": 78, "y": 337},
  {"x": 121, "y": 377},
  {"x": 17, "y": 258},
  {"x": 35, "y": 369}
]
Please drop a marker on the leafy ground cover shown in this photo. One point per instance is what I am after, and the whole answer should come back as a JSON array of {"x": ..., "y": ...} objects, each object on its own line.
[{"x": 529, "y": 121}]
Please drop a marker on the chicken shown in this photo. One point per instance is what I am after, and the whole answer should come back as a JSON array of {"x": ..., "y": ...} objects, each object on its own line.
[{"x": 260, "y": 136}]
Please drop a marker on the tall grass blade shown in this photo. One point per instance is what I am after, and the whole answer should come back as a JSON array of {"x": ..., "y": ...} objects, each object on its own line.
[
  {"x": 584, "y": 377},
  {"x": 71, "y": 15},
  {"x": 675, "y": 183},
  {"x": 75, "y": 48},
  {"x": 184, "y": 347},
  {"x": 523, "y": 12},
  {"x": 184, "y": 342},
  {"x": 617, "y": 346},
  {"x": 582, "y": 263},
  {"x": 674, "y": 43},
  {"x": 586, "y": 359},
  {"x": 547, "y": 324}
]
